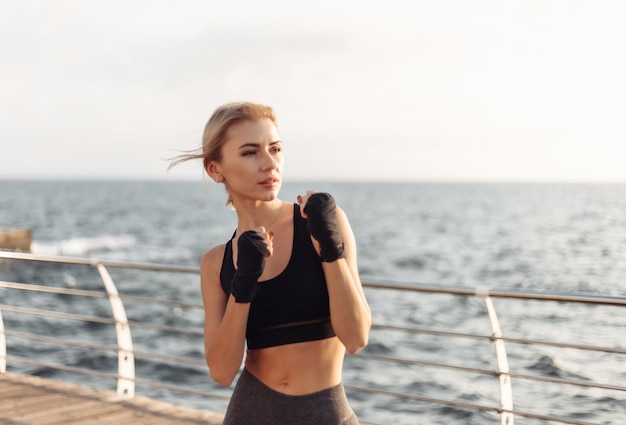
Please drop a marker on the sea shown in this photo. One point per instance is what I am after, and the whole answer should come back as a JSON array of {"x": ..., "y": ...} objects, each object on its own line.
[{"x": 555, "y": 237}]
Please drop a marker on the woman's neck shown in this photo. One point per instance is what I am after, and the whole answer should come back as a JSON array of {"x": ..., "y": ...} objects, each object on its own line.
[{"x": 264, "y": 214}]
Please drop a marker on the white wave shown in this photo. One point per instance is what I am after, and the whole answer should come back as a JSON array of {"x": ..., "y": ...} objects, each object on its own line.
[{"x": 84, "y": 246}]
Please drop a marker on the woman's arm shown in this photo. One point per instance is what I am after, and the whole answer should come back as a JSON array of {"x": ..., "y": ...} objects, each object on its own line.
[
  {"x": 334, "y": 241},
  {"x": 224, "y": 321},
  {"x": 349, "y": 311}
]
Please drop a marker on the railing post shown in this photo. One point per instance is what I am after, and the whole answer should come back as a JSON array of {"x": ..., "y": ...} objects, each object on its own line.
[
  {"x": 506, "y": 392},
  {"x": 125, "y": 356},
  {"x": 3, "y": 347}
]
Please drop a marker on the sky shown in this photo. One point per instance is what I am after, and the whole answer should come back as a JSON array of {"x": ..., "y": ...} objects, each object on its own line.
[{"x": 441, "y": 90}]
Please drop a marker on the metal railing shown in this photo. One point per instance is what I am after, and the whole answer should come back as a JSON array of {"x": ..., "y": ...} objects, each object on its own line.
[{"x": 128, "y": 354}]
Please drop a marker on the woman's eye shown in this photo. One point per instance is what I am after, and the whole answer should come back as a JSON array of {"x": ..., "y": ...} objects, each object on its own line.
[{"x": 248, "y": 153}]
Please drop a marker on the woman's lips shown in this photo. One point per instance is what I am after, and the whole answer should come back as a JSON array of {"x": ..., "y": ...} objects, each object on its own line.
[{"x": 269, "y": 182}]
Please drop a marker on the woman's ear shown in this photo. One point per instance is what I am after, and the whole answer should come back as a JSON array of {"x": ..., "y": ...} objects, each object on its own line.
[{"x": 213, "y": 170}]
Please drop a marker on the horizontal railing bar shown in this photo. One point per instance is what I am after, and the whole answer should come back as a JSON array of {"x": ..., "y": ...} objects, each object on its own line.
[
  {"x": 168, "y": 303},
  {"x": 414, "y": 397},
  {"x": 565, "y": 345},
  {"x": 94, "y": 319},
  {"x": 567, "y": 381},
  {"x": 138, "y": 354},
  {"x": 494, "y": 293},
  {"x": 430, "y": 331},
  {"x": 81, "y": 371},
  {"x": 92, "y": 294},
  {"x": 177, "y": 360},
  {"x": 168, "y": 329},
  {"x": 145, "y": 382},
  {"x": 560, "y": 297},
  {"x": 548, "y": 418},
  {"x": 52, "y": 289},
  {"x": 423, "y": 363},
  {"x": 93, "y": 262},
  {"x": 488, "y": 372},
  {"x": 58, "y": 341},
  {"x": 56, "y": 314}
]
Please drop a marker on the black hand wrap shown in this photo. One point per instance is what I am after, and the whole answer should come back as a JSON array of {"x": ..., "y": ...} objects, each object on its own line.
[
  {"x": 250, "y": 263},
  {"x": 321, "y": 214}
]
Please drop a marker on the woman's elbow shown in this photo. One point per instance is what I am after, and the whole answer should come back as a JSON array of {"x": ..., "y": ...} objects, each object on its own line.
[
  {"x": 356, "y": 337},
  {"x": 356, "y": 344},
  {"x": 221, "y": 378},
  {"x": 220, "y": 373},
  {"x": 355, "y": 348}
]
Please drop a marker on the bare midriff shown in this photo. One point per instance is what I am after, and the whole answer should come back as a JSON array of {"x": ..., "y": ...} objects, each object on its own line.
[{"x": 298, "y": 369}]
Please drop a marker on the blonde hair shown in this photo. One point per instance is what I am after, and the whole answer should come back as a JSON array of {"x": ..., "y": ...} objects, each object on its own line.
[{"x": 214, "y": 136}]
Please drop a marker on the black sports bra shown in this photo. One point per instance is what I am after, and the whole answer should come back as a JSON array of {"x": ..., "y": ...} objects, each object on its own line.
[{"x": 293, "y": 306}]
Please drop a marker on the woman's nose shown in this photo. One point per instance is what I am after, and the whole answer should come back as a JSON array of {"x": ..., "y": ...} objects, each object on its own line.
[{"x": 268, "y": 161}]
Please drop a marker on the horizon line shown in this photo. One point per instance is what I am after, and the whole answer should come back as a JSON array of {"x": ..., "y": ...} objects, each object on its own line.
[{"x": 306, "y": 180}]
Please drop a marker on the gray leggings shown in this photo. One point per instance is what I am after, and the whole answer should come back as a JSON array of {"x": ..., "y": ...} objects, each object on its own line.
[{"x": 254, "y": 403}]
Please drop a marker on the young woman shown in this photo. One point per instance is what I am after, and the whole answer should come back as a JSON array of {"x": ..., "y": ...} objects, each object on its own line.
[{"x": 285, "y": 290}]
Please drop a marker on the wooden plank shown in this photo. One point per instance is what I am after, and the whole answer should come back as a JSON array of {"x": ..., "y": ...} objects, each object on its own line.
[
  {"x": 16, "y": 239},
  {"x": 49, "y": 409},
  {"x": 30, "y": 400}
]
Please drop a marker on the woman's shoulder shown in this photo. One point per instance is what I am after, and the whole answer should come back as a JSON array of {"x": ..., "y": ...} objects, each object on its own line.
[{"x": 212, "y": 259}]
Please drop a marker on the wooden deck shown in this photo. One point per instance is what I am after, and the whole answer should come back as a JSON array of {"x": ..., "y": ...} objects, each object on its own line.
[
  {"x": 30, "y": 400},
  {"x": 16, "y": 239}
]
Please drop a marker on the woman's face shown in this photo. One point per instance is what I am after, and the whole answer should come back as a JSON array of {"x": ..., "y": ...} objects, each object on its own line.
[{"x": 252, "y": 161}]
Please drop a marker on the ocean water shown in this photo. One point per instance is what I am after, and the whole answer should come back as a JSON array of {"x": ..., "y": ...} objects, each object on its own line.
[{"x": 555, "y": 237}]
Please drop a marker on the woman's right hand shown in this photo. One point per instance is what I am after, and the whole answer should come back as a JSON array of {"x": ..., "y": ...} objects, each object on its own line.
[{"x": 253, "y": 247}]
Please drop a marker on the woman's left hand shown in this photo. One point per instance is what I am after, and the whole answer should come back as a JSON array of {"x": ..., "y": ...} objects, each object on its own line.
[{"x": 320, "y": 211}]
